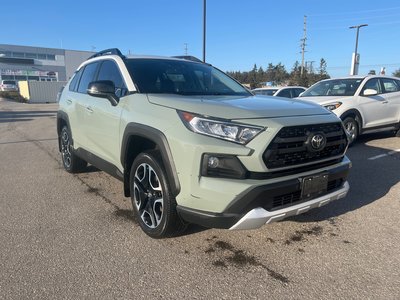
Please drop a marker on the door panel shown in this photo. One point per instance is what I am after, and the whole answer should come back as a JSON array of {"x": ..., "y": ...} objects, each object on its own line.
[{"x": 374, "y": 109}]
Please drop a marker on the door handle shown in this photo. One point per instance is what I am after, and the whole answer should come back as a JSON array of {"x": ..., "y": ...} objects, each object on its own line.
[
  {"x": 69, "y": 101},
  {"x": 385, "y": 101},
  {"x": 89, "y": 109}
]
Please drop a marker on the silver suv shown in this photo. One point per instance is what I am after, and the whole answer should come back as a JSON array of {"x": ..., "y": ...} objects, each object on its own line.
[{"x": 191, "y": 145}]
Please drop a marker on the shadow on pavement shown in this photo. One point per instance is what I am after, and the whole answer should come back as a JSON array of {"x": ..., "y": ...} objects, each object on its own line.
[
  {"x": 369, "y": 180},
  {"x": 20, "y": 116}
]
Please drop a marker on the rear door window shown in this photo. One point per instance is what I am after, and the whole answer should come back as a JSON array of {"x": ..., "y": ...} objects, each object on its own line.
[
  {"x": 389, "y": 85},
  {"x": 74, "y": 82}
]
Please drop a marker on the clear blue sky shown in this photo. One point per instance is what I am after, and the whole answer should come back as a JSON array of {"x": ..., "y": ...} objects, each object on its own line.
[{"x": 239, "y": 33}]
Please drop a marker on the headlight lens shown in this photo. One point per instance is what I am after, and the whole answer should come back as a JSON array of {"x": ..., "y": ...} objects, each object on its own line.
[
  {"x": 241, "y": 134},
  {"x": 333, "y": 106}
]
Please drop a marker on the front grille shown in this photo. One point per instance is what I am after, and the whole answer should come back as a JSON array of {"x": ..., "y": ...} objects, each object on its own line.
[
  {"x": 288, "y": 199},
  {"x": 289, "y": 148}
]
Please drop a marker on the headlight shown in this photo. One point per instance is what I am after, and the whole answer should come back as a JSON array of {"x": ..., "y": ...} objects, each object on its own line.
[
  {"x": 237, "y": 133},
  {"x": 333, "y": 106}
]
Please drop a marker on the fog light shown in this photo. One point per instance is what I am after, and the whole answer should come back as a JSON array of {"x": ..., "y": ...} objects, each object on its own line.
[
  {"x": 223, "y": 166},
  {"x": 213, "y": 162}
]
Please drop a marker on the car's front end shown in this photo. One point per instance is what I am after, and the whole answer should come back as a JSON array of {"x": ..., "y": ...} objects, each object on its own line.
[{"x": 254, "y": 164}]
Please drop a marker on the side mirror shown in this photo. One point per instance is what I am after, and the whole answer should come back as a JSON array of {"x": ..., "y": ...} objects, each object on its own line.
[
  {"x": 370, "y": 92},
  {"x": 103, "y": 89}
]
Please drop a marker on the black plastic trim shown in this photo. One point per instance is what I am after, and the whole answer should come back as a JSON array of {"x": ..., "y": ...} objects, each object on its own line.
[
  {"x": 156, "y": 136},
  {"x": 208, "y": 219},
  {"x": 62, "y": 116},
  {"x": 255, "y": 197},
  {"x": 99, "y": 163}
]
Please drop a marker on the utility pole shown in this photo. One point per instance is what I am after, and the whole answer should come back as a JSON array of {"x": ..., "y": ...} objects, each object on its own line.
[
  {"x": 355, "y": 59},
  {"x": 186, "y": 48},
  {"x": 204, "y": 30},
  {"x": 303, "y": 45},
  {"x": 309, "y": 66}
]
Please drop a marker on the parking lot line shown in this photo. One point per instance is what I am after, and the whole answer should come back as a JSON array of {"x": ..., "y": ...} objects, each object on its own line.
[{"x": 384, "y": 155}]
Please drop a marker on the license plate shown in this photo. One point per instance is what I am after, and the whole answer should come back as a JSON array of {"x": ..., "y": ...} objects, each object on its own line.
[{"x": 315, "y": 185}]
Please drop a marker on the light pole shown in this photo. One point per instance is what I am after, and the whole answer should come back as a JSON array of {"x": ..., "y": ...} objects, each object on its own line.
[
  {"x": 355, "y": 60},
  {"x": 204, "y": 30}
]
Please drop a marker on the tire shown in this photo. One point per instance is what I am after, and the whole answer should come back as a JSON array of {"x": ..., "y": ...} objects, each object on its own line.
[
  {"x": 71, "y": 162},
  {"x": 351, "y": 126},
  {"x": 153, "y": 204}
]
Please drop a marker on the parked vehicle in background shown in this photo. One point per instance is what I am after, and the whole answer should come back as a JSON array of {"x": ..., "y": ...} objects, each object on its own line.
[
  {"x": 364, "y": 103},
  {"x": 192, "y": 145},
  {"x": 8, "y": 86},
  {"x": 286, "y": 92}
]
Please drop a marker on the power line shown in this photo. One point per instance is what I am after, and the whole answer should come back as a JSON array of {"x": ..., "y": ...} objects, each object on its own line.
[
  {"x": 355, "y": 12},
  {"x": 336, "y": 20}
]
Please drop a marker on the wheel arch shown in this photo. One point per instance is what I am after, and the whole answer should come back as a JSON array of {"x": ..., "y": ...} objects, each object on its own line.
[
  {"x": 138, "y": 138},
  {"x": 62, "y": 120},
  {"x": 356, "y": 115}
]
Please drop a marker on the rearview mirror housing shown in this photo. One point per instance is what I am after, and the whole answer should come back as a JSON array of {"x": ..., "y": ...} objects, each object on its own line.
[
  {"x": 370, "y": 92},
  {"x": 103, "y": 89}
]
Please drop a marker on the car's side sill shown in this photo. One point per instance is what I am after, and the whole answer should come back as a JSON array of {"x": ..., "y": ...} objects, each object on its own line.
[
  {"x": 387, "y": 127},
  {"x": 99, "y": 163}
]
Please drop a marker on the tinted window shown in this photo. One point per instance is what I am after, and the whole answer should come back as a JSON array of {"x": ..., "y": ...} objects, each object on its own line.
[
  {"x": 74, "y": 81},
  {"x": 9, "y": 82},
  {"x": 87, "y": 77},
  {"x": 297, "y": 92},
  {"x": 372, "y": 84},
  {"x": 284, "y": 93},
  {"x": 110, "y": 71},
  {"x": 181, "y": 77},
  {"x": 389, "y": 85}
]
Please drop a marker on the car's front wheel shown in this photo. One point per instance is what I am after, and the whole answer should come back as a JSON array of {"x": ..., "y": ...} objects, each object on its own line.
[
  {"x": 351, "y": 126},
  {"x": 152, "y": 201}
]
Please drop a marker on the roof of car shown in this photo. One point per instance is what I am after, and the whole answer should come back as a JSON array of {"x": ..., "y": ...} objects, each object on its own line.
[
  {"x": 278, "y": 87},
  {"x": 360, "y": 77}
]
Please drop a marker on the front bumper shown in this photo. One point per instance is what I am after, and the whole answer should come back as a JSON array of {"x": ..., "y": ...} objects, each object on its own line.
[
  {"x": 270, "y": 202},
  {"x": 259, "y": 216}
]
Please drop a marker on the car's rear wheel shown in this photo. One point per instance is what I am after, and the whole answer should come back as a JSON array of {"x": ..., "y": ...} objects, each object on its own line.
[
  {"x": 71, "y": 162},
  {"x": 152, "y": 201},
  {"x": 351, "y": 126}
]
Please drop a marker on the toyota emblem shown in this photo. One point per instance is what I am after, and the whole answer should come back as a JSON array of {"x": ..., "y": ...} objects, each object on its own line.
[{"x": 318, "y": 141}]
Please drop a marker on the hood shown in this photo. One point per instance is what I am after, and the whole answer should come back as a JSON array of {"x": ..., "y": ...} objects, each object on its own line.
[
  {"x": 239, "y": 107},
  {"x": 324, "y": 99}
]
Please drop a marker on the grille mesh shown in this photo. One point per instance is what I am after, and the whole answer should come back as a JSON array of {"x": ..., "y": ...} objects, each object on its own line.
[{"x": 289, "y": 148}]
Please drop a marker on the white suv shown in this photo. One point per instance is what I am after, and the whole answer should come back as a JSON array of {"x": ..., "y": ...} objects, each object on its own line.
[{"x": 364, "y": 103}]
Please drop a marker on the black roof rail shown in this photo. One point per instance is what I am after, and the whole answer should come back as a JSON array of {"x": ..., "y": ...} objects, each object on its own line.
[
  {"x": 188, "y": 57},
  {"x": 112, "y": 51}
]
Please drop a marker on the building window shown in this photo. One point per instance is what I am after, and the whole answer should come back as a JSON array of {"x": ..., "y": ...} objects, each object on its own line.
[
  {"x": 30, "y": 55},
  {"x": 51, "y": 57},
  {"x": 18, "y": 54},
  {"x": 41, "y": 56}
]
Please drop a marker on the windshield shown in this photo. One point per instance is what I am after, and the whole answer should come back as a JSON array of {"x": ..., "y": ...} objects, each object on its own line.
[
  {"x": 8, "y": 82},
  {"x": 269, "y": 92},
  {"x": 334, "y": 87},
  {"x": 162, "y": 76}
]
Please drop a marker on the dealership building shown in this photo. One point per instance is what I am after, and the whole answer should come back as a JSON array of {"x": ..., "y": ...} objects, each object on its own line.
[{"x": 26, "y": 63}]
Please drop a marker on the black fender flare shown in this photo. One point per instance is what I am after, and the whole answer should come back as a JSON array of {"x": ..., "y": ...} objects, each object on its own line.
[
  {"x": 157, "y": 137},
  {"x": 62, "y": 116}
]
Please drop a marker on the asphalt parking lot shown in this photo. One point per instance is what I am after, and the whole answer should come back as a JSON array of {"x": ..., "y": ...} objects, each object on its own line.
[{"x": 73, "y": 236}]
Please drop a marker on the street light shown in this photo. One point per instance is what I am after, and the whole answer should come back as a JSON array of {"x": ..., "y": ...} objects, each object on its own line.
[
  {"x": 204, "y": 30},
  {"x": 355, "y": 60}
]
